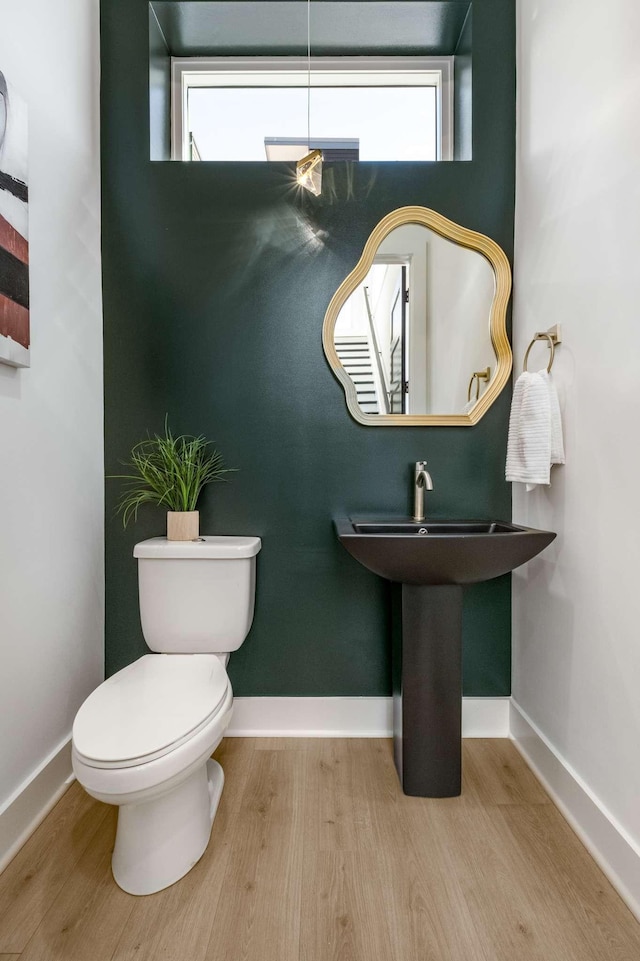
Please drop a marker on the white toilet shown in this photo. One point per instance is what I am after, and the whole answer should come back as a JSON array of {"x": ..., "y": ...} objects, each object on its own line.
[{"x": 143, "y": 740}]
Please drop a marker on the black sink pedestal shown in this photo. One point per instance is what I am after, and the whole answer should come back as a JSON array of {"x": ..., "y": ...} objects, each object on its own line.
[
  {"x": 427, "y": 689},
  {"x": 427, "y": 567}
]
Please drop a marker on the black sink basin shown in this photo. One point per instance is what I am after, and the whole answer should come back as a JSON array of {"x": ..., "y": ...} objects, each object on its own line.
[
  {"x": 433, "y": 527},
  {"x": 439, "y": 552}
]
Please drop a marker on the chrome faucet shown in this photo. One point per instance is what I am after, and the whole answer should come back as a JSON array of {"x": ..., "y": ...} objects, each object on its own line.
[{"x": 422, "y": 483}]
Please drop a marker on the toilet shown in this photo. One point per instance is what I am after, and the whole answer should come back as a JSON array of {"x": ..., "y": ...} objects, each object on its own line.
[{"x": 143, "y": 740}]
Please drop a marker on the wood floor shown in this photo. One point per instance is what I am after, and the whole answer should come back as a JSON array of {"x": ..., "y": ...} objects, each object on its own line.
[{"x": 316, "y": 855}]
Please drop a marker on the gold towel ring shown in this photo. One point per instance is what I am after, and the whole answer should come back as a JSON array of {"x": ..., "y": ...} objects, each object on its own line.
[
  {"x": 478, "y": 375},
  {"x": 544, "y": 336}
]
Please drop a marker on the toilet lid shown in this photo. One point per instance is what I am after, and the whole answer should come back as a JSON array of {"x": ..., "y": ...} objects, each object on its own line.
[{"x": 148, "y": 706}]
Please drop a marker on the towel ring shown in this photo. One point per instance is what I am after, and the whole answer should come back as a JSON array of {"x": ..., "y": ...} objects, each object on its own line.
[
  {"x": 478, "y": 375},
  {"x": 544, "y": 336}
]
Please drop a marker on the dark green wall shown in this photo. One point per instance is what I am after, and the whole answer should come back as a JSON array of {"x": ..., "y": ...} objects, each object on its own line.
[
  {"x": 159, "y": 92},
  {"x": 463, "y": 92},
  {"x": 216, "y": 280}
]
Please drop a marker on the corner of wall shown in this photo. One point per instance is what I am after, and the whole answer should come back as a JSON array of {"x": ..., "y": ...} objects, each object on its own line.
[
  {"x": 610, "y": 846},
  {"x": 32, "y": 801}
]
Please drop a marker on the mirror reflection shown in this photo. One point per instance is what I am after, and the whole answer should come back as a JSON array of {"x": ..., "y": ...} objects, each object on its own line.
[{"x": 414, "y": 336}]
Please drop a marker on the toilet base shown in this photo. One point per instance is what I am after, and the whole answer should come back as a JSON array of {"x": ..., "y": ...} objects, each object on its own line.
[{"x": 159, "y": 841}]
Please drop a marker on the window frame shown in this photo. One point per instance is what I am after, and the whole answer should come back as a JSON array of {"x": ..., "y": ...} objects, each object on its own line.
[{"x": 189, "y": 72}]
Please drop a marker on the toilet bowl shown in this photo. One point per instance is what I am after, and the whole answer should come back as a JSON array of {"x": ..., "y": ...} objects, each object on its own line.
[{"x": 143, "y": 740}]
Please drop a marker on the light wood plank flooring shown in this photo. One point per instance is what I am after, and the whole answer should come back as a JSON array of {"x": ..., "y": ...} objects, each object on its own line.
[{"x": 316, "y": 855}]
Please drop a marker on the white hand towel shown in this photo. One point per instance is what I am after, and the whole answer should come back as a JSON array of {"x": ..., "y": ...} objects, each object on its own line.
[
  {"x": 529, "y": 442},
  {"x": 557, "y": 441}
]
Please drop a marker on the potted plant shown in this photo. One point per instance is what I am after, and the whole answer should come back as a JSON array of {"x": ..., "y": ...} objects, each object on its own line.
[{"x": 170, "y": 472}]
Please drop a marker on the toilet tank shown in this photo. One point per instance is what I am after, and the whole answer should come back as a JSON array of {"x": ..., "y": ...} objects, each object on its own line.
[{"x": 196, "y": 597}]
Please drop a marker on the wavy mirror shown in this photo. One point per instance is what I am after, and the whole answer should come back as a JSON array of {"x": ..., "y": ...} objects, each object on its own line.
[{"x": 416, "y": 334}]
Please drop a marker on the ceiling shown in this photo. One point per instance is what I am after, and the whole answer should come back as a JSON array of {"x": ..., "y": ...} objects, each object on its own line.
[{"x": 338, "y": 27}]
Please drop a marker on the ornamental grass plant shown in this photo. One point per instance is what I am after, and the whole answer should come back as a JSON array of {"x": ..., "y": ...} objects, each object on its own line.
[{"x": 168, "y": 471}]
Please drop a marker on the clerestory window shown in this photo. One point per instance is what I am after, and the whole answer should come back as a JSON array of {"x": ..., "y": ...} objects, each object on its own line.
[{"x": 352, "y": 108}]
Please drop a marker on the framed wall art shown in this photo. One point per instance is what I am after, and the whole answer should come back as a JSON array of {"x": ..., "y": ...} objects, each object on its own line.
[{"x": 14, "y": 228}]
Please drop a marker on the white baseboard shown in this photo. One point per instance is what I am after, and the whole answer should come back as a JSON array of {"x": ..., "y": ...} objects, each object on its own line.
[
  {"x": 32, "y": 801},
  {"x": 350, "y": 717},
  {"x": 485, "y": 716},
  {"x": 606, "y": 840}
]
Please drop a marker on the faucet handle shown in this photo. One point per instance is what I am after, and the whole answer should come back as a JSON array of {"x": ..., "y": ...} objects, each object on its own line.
[{"x": 421, "y": 464}]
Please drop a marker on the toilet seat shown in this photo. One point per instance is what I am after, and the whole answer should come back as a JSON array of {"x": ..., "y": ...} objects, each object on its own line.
[
  {"x": 120, "y": 784},
  {"x": 149, "y": 709}
]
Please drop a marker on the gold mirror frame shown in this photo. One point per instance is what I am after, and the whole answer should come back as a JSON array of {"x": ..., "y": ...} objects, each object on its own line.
[{"x": 497, "y": 321}]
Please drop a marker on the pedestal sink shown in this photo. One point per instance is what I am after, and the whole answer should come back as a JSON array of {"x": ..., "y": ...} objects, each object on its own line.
[{"x": 432, "y": 561}]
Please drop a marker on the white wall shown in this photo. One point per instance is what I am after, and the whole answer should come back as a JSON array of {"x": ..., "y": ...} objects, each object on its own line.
[
  {"x": 385, "y": 282},
  {"x": 577, "y": 262},
  {"x": 410, "y": 241},
  {"x": 452, "y": 289},
  {"x": 51, "y": 465},
  {"x": 461, "y": 288}
]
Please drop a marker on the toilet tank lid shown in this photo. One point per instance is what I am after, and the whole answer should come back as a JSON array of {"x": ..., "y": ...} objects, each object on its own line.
[{"x": 223, "y": 547}]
